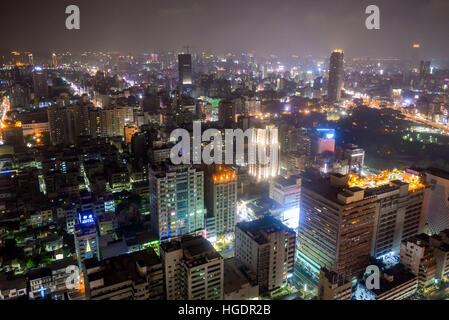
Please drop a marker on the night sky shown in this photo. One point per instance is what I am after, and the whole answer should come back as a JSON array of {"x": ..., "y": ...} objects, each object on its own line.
[{"x": 280, "y": 27}]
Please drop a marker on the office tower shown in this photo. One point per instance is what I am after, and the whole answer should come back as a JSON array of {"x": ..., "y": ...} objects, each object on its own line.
[
  {"x": 333, "y": 286},
  {"x": 335, "y": 227},
  {"x": 61, "y": 122},
  {"x": 113, "y": 120},
  {"x": 40, "y": 84},
  {"x": 438, "y": 204},
  {"x": 266, "y": 142},
  {"x": 335, "y": 76},
  {"x": 267, "y": 247},
  {"x": 221, "y": 202},
  {"x": 355, "y": 157},
  {"x": 395, "y": 283},
  {"x": 86, "y": 238},
  {"x": 193, "y": 269},
  {"x": 287, "y": 193},
  {"x": 424, "y": 68},
  {"x": 176, "y": 200},
  {"x": 226, "y": 113},
  {"x": 134, "y": 276},
  {"x": 401, "y": 198},
  {"x": 185, "y": 69},
  {"x": 81, "y": 120}
]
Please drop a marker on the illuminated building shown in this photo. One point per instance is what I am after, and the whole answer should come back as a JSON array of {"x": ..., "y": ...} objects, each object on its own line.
[
  {"x": 193, "y": 269},
  {"x": 221, "y": 202},
  {"x": 40, "y": 85},
  {"x": 267, "y": 247},
  {"x": 323, "y": 141},
  {"x": 335, "y": 76},
  {"x": 134, "y": 276},
  {"x": 185, "y": 69},
  {"x": 287, "y": 193},
  {"x": 176, "y": 200},
  {"x": 381, "y": 210},
  {"x": 129, "y": 132},
  {"x": 267, "y": 145},
  {"x": 86, "y": 238},
  {"x": 332, "y": 286},
  {"x": 335, "y": 227},
  {"x": 401, "y": 198}
]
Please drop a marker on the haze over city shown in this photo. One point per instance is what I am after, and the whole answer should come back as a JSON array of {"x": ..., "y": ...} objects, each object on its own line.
[{"x": 261, "y": 26}]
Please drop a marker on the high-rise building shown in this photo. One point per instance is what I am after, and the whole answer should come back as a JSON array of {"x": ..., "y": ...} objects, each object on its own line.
[
  {"x": 267, "y": 247},
  {"x": 424, "y": 68},
  {"x": 358, "y": 217},
  {"x": 40, "y": 84},
  {"x": 134, "y": 276},
  {"x": 86, "y": 238},
  {"x": 335, "y": 228},
  {"x": 176, "y": 200},
  {"x": 61, "y": 122},
  {"x": 185, "y": 69},
  {"x": 226, "y": 113},
  {"x": 221, "y": 202},
  {"x": 400, "y": 212},
  {"x": 267, "y": 144},
  {"x": 335, "y": 76},
  {"x": 193, "y": 269}
]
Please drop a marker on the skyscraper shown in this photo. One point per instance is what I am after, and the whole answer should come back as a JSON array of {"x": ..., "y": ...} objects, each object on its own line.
[
  {"x": 335, "y": 228},
  {"x": 61, "y": 122},
  {"x": 176, "y": 200},
  {"x": 185, "y": 68},
  {"x": 40, "y": 83},
  {"x": 335, "y": 76},
  {"x": 221, "y": 202}
]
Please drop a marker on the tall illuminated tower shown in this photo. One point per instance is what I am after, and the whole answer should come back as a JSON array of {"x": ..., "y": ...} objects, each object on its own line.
[
  {"x": 221, "y": 202},
  {"x": 335, "y": 76},
  {"x": 185, "y": 68}
]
